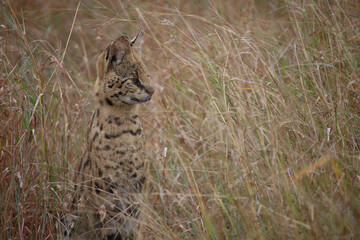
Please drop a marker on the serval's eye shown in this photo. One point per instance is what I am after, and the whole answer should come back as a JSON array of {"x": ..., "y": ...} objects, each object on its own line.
[{"x": 138, "y": 83}]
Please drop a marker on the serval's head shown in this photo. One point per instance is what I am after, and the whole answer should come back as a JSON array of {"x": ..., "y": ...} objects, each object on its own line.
[{"x": 122, "y": 77}]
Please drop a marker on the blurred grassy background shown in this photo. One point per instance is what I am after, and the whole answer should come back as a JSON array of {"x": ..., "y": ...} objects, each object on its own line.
[{"x": 253, "y": 132}]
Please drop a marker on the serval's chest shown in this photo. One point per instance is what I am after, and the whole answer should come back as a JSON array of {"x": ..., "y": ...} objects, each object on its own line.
[{"x": 115, "y": 152}]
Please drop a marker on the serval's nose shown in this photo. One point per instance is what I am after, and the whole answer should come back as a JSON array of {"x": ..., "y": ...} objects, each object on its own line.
[{"x": 149, "y": 90}]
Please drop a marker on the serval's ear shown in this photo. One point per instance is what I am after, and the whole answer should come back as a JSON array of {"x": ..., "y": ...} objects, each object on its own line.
[
  {"x": 137, "y": 42},
  {"x": 100, "y": 66},
  {"x": 117, "y": 50}
]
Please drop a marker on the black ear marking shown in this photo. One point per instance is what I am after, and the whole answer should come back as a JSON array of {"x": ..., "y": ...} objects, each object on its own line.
[
  {"x": 133, "y": 40},
  {"x": 107, "y": 53},
  {"x": 139, "y": 35}
]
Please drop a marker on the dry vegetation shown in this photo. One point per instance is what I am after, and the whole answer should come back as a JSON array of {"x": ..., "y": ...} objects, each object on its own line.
[{"x": 253, "y": 132}]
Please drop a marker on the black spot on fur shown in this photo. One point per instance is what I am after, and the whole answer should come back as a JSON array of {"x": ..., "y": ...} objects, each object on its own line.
[
  {"x": 87, "y": 163},
  {"x": 140, "y": 166},
  {"x": 91, "y": 124},
  {"x": 114, "y": 236},
  {"x": 116, "y": 135},
  {"x": 111, "y": 86},
  {"x": 117, "y": 121},
  {"x": 107, "y": 180},
  {"x": 101, "y": 127},
  {"x": 131, "y": 211},
  {"x": 98, "y": 224},
  {"x": 122, "y": 83},
  {"x": 109, "y": 136},
  {"x": 109, "y": 190},
  {"x": 100, "y": 173},
  {"x": 137, "y": 132},
  {"x": 97, "y": 187},
  {"x": 95, "y": 136},
  {"x": 139, "y": 184},
  {"x": 107, "y": 147},
  {"x": 109, "y": 102},
  {"x": 122, "y": 153},
  {"x": 134, "y": 175}
]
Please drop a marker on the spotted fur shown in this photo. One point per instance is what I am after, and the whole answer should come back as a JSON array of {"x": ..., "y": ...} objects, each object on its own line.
[{"x": 111, "y": 173}]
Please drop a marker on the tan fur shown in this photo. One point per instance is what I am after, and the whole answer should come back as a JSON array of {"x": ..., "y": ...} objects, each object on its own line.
[{"x": 112, "y": 171}]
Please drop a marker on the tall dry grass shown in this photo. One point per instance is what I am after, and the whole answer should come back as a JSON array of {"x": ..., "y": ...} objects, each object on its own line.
[{"x": 253, "y": 132}]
